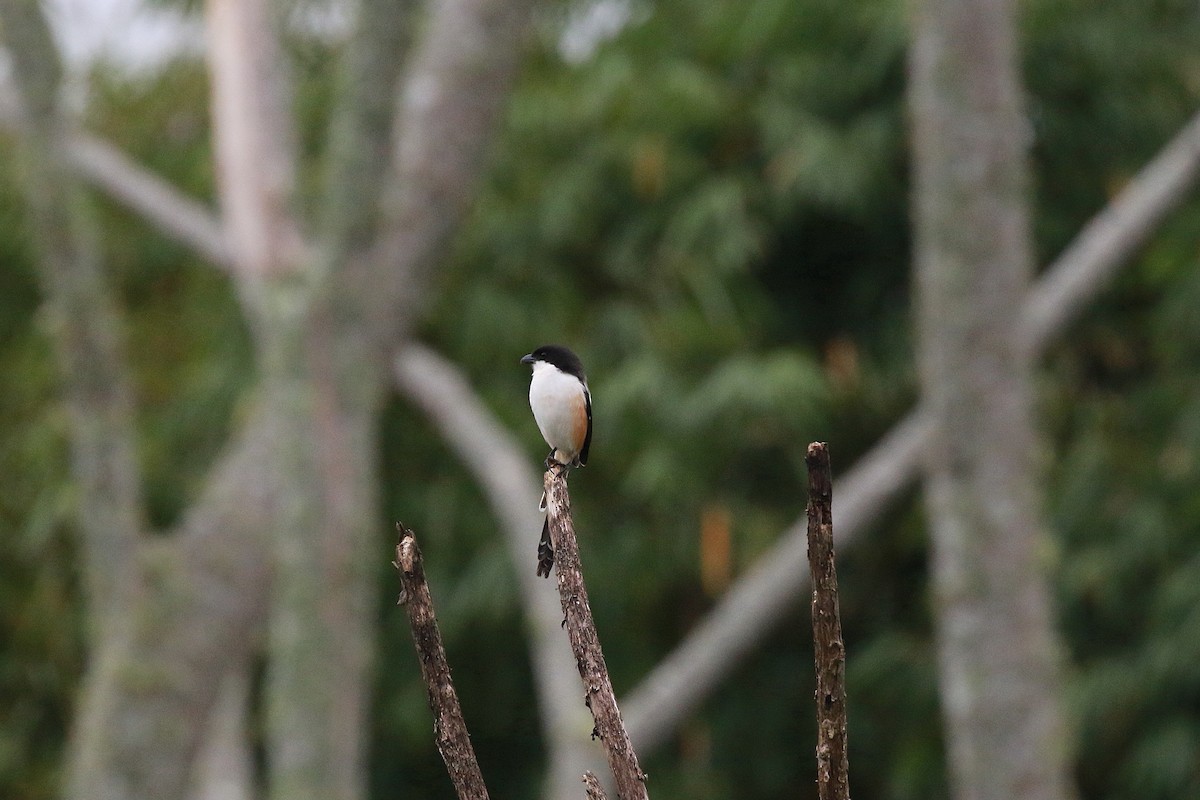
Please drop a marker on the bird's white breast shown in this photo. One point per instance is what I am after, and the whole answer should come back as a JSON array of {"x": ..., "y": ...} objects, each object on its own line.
[{"x": 555, "y": 398}]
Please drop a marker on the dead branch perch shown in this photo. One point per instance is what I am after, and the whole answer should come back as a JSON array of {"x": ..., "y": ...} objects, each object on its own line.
[
  {"x": 449, "y": 728},
  {"x": 585, "y": 643},
  {"x": 833, "y": 780}
]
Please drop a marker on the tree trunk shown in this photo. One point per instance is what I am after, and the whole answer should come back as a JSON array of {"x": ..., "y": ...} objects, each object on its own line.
[
  {"x": 275, "y": 542},
  {"x": 320, "y": 618},
  {"x": 998, "y": 652},
  {"x": 225, "y": 764}
]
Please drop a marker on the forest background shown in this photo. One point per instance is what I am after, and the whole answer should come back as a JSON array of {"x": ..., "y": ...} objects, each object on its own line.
[{"x": 711, "y": 202}]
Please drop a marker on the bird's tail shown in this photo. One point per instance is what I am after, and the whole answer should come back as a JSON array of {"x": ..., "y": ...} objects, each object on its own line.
[{"x": 545, "y": 552}]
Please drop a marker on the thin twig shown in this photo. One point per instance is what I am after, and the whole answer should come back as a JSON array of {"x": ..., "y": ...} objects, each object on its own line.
[
  {"x": 173, "y": 212},
  {"x": 1109, "y": 239},
  {"x": 450, "y": 730},
  {"x": 833, "y": 781},
  {"x": 585, "y": 643}
]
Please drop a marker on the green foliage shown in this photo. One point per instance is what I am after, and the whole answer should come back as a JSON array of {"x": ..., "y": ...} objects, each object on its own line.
[
  {"x": 1127, "y": 505},
  {"x": 1108, "y": 83},
  {"x": 712, "y": 209}
]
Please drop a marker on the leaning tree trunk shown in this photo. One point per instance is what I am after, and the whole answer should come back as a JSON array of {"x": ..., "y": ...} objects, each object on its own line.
[{"x": 998, "y": 652}]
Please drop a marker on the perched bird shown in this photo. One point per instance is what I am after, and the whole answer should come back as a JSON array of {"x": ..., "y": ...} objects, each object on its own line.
[{"x": 562, "y": 408}]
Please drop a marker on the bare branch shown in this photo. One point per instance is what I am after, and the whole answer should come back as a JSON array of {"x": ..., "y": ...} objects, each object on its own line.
[
  {"x": 106, "y": 168},
  {"x": 504, "y": 471},
  {"x": 829, "y": 651},
  {"x": 592, "y": 787},
  {"x": 1110, "y": 239},
  {"x": 189, "y": 221},
  {"x": 449, "y": 727},
  {"x": 585, "y": 642},
  {"x": 497, "y": 461}
]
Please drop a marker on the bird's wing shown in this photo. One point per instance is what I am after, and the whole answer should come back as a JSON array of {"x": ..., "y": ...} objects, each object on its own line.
[{"x": 587, "y": 440}]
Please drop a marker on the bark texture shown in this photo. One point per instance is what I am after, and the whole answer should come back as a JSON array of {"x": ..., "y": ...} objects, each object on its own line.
[
  {"x": 592, "y": 787},
  {"x": 449, "y": 727},
  {"x": 585, "y": 643},
  {"x": 998, "y": 652},
  {"x": 833, "y": 764}
]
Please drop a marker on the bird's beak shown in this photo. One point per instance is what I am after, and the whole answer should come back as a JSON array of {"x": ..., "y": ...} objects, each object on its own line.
[{"x": 528, "y": 359}]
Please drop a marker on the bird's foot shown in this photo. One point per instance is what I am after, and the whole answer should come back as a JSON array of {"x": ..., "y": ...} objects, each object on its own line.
[{"x": 556, "y": 466}]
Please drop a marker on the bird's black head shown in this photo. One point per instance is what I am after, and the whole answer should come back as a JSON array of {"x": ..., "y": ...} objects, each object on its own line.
[{"x": 557, "y": 355}]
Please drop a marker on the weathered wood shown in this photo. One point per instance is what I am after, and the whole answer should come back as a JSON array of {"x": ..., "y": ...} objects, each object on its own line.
[
  {"x": 833, "y": 768},
  {"x": 450, "y": 730},
  {"x": 585, "y": 643}
]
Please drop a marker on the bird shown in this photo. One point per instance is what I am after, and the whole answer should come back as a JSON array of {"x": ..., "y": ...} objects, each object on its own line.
[{"x": 562, "y": 407}]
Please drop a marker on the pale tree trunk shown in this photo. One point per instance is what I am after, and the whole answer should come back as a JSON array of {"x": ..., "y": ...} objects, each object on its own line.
[
  {"x": 274, "y": 548},
  {"x": 319, "y": 616},
  {"x": 83, "y": 318},
  {"x": 998, "y": 653},
  {"x": 225, "y": 763},
  {"x": 145, "y": 682}
]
